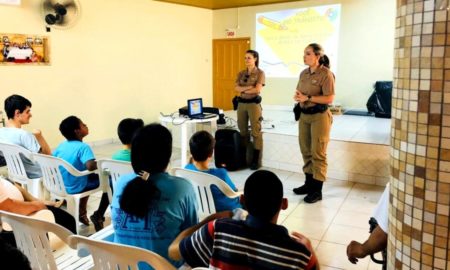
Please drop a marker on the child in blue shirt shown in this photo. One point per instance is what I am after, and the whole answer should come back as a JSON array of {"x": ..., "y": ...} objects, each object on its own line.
[
  {"x": 80, "y": 155},
  {"x": 126, "y": 130},
  {"x": 201, "y": 145}
]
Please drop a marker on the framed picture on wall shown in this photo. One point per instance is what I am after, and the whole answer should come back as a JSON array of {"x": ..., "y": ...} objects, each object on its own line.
[{"x": 20, "y": 49}]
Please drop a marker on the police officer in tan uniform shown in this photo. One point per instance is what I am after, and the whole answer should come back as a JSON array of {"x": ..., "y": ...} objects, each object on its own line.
[
  {"x": 249, "y": 83},
  {"x": 315, "y": 90}
]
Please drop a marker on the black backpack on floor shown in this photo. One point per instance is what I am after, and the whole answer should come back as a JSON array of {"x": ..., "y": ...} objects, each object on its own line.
[{"x": 380, "y": 102}]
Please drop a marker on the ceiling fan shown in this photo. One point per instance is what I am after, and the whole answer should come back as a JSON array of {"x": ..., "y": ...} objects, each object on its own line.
[{"x": 61, "y": 14}]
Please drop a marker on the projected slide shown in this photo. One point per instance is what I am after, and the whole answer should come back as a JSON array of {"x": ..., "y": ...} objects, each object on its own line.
[{"x": 281, "y": 37}]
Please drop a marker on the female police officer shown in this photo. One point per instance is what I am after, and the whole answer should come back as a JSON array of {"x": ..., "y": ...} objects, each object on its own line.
[
  {"x": 315, "y": 90},
  {"x": 249, "y": 83}
]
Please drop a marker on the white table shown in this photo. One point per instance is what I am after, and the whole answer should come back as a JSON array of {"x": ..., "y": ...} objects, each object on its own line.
[{"x": 184, "y": 123}]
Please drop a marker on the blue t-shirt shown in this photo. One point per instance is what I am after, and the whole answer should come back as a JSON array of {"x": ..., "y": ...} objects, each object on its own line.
[
  {"x": 221, "y": 201},
  {"x": 175, "y": 211},
  {"x": 123, "y": 155},
  {"x": 28, "y": 141},
  {"x": 76, "y": 153}
]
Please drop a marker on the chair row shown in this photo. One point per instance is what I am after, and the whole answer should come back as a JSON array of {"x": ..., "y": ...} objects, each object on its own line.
[
  {"x": 109, "y": 170},
  {"x": 32, "y": 239}
]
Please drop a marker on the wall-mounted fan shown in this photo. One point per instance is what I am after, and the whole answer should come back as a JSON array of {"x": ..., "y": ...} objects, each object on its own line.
[{"x": 61, "y": 13}]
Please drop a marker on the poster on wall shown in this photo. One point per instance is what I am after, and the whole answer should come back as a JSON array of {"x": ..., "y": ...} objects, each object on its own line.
[
  {"x": 20, "y": 49},
  {"x": 10, "y": 2}
]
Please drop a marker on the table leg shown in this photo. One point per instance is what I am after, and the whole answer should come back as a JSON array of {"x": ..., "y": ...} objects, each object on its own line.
[{"x": 184, "y": 141}]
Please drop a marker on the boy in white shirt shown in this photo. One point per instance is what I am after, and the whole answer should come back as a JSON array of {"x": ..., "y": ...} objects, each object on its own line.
[{"x": 18, "y": 112}]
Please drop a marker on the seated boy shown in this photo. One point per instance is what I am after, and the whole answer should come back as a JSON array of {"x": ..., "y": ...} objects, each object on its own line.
[
  {"x": 15, "y": 199},
  {"x": 254, "y": 243},
  {"x": 18, "y": 111},
  {"x": 80, "y": 155},
  {"x": 126, "y": 130},
  {"x": 202, "y": 147}
]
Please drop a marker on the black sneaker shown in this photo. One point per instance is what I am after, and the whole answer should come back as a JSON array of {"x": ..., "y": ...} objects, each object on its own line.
[
  {"x": 313, "y": 197},
  {"x": 97, "y": 221},
  {"x": 302, "y": 190}
]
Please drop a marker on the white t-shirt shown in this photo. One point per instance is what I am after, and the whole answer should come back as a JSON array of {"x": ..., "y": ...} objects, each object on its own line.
[
  {"x": 8, "y": 190},
  {"x": 381, "y": 212},
  {"x": 28, "y": 141}
]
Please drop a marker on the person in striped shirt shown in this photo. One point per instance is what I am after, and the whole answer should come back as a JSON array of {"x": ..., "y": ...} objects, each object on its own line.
[{"x": 255, "y": 243}]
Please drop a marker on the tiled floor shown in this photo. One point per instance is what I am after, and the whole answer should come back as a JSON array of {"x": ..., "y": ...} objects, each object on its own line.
[{"x": 331, "y": 224}]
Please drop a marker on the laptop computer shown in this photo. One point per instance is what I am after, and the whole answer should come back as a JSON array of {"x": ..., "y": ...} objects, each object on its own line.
[{"x": 195, "y": 109}]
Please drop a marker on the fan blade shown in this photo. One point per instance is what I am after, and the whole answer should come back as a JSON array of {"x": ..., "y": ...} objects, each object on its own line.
[
  {"x": 62, "y": 21},
  {"x": 70, "y": 4},
  {"x": 48, "y": 6}
]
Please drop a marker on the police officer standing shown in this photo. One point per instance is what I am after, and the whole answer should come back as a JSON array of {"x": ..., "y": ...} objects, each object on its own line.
[
  {"x": 249, "y": 83},
  {"x": 315, "y": 90}
]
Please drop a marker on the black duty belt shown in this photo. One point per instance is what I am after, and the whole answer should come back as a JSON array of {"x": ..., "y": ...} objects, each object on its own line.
[
  {"x": 318, "y": 108},
  {"x": 256, "y": 100}
]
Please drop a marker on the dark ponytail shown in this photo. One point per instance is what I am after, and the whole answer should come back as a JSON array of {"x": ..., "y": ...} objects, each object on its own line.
[
  {"x": 318, "y": 50},
  {"x": 151, "y": 149},
  {"x": 255, "y": 54}
]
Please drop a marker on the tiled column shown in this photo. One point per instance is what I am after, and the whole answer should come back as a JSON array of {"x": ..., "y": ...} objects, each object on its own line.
[{"x": 420, "y": 153}]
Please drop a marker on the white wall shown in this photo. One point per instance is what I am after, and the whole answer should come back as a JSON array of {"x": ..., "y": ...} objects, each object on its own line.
[
  {"x": 365, "y": 49},
  {"x": 123, "y": 59}
]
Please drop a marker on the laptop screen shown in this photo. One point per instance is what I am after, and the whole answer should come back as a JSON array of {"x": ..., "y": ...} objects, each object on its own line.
[{"x": 195, "y": 106}]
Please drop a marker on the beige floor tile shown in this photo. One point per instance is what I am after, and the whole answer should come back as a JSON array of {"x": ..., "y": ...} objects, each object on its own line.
[
  {"x": 309, "y": 228},
  {"x": 334, "y": 255},
  {"x": 353, "y": 219},
  {"x": 341, "y": 234},
  {"x": 324, "y": 267},
  {"x": 371, "y": 193},
  {"x": 358, "y": 205},
  {"x": 313, "y": 212}
]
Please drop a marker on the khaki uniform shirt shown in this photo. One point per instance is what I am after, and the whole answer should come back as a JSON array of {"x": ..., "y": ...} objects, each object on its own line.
[
  {"x": 318, "y": 83},
  {"x": 244, "y": 79}
]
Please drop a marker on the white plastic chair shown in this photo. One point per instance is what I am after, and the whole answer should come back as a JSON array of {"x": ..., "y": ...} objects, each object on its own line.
[
  {"x": 202, "y": 183},
  {"x": 114, "y": 169},
  {"x": 108, "y": 255},
  {"x": 53, "y": 182},
  {"x": 16, "y": 170},
  {"x": 32, "y": 239}
]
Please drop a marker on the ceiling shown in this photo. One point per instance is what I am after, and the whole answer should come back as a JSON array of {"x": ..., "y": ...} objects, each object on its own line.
[{"x": 221, "y": 4}]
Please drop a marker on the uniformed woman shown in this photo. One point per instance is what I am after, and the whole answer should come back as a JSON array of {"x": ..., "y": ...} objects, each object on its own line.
[
  {"x": 249, "y": 83},
  {"x": 315, "y": 90}
]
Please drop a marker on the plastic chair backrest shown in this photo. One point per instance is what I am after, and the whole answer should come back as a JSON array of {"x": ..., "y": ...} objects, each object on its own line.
[
  {"x": 202, "y": 183},
  {"x": 114, "y": 169},
  {"x": 108, "y": 255},
  {"x": 51, "y": 173},
  {"x": 31, "y": 238},
  {"x": 12, "y": 153}
]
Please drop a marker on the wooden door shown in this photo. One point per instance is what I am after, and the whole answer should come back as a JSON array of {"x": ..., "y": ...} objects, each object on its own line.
[{"x": 228, "y": 60}]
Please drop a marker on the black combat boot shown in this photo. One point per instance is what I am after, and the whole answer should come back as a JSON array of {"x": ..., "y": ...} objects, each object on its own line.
[
  {"x": 254, "y": 165},
  {"x": 315, "y": 193},
  {"x": 306, "y": 187}
]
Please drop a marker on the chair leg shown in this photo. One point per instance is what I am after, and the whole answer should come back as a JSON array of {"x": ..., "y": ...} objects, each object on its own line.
[{"x": 73, "y": 208}]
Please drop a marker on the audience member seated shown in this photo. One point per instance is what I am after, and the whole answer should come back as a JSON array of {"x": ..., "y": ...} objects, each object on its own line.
[
  {"x": 126, "y": 130},
  {"x": 202, "y": 147},
  {"x": 18, "y": 111},
  {"x": 80, "y": 155},
  {"x": 12, "y": 258},
  {"x": 15, "y": 199},
  {"x": 255, "y": 243},
  {"x": 377, "y": 240},
  {"x": 150, "y": 207}
]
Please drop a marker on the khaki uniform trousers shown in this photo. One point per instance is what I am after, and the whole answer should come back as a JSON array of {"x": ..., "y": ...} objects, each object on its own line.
[
  {"x": 314, "y": 135},
  {"x": 252, "y": 112}
]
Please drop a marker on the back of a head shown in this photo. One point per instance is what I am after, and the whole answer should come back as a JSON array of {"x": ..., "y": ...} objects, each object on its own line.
[
  {"x": 13, "y": 258},
  {"x": 151, "y": 149},
  {"x": 201, "y": 145},
  {"x": 15, "y": 102},
  {"x": 263, "y": 193},
  {"x": 127, "y": 128},
  {"x": 68, "y": 127}
]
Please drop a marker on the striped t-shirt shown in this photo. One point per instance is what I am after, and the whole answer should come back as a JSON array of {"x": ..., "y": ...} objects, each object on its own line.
[{"x": 243, "y": 245}]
